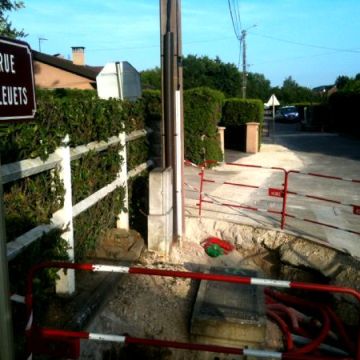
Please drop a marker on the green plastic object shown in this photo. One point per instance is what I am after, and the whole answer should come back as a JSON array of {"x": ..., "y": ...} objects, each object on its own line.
[{"x": 214, "y": 250}]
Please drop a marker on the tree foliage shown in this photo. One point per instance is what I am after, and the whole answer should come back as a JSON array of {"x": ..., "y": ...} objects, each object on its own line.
[
  {"x": 291, "y": 92},
  {"x": 151, "y": 79},
  {"x": 6, "y": 27},
  {"x": 258, "y": 87},
  {"x": 214, "y": 74},
  {"x": 348, "y": 84}
]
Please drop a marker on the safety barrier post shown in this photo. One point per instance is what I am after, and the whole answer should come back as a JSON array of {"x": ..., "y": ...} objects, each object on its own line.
[{"x": 285, "y": 193}]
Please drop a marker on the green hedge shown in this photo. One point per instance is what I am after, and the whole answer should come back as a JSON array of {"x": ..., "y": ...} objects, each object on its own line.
[
  {"x": 31, "y": 201},
  {"x": 344, "y": 110},
  {"x": 241, "y": 111},
  {"x": 236, "y": 113},
  {"x": 202, "y": 113}
]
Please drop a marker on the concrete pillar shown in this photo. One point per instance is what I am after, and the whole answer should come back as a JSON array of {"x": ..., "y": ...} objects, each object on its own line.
[
  {"x": 252, "y": 137},
  {"x": 160, "y": 219},
  {"x": 221, "y": 131}
]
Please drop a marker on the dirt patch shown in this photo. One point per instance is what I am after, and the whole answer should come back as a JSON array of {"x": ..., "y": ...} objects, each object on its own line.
[{"x": 160, "y": 307}]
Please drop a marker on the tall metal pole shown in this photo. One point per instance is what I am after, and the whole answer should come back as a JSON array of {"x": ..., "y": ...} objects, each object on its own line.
[
  {"x": 172, "y": 105},
  {"x": 6, "y": 335},
  {"x": 244, "y": 74}
]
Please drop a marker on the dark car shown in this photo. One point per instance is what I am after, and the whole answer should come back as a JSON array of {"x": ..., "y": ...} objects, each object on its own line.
[{"x": 287, "y": 114}]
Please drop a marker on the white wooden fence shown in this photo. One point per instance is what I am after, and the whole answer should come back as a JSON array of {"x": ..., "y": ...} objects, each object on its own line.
[{"x": 63, "y": 218}]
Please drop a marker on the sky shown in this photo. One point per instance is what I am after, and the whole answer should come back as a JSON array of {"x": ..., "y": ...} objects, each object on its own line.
[{"x": 313, "y": 41}]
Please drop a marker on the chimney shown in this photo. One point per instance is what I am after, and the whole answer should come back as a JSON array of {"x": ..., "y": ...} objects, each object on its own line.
[{"x": 78, "y": 55}]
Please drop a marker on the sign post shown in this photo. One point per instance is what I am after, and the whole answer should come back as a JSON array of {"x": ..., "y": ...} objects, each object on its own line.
[
  {"x": 17, "y": 103},
  {"x": 273, "y": 101}
]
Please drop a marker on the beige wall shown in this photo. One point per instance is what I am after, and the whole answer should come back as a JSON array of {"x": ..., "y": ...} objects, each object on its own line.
[{"x": 50, "y": 77}]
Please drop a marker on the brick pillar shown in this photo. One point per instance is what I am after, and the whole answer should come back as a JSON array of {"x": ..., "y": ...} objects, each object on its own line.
[{"x": 252, "y": 137}]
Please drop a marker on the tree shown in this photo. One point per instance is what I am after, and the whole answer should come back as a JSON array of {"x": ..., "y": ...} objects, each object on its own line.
[
  {"x": 151, "y": 79},
  {"x": 347, "y": 84},
  {"x": 6, "y": 28},
  {"x": 291, "y": 92},
  {"x": 258, "y": 87},
  {"x": 215, "y": 74},
  {"x": 341, "y": 81},
  {"x": 203, "y": 71}
]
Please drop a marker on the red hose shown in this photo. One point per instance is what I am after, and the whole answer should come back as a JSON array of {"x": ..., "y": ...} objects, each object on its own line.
[
  {"x": 284, "y": 328},
  {"x": 342, "y": 332},
  {"x": 313, "y": 345},
  {"x": 294, "y": 356},
  {"x": 293, "y": 318}
]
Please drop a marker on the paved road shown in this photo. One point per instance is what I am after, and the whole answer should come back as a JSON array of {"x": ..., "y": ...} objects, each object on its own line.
[{"x": 323, "y": 153}]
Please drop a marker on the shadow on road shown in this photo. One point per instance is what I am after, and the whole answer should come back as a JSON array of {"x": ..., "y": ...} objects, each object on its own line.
[{"x": 330, "y": 144}]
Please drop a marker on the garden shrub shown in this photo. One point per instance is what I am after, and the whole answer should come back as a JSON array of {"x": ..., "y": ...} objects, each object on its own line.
[
  {"x": 241, "y": 111},
  {"x": 152, "y": 113},
  {"x": 202, "y": 113},
  {"x": 236, "y": 113},
  {"x": 344, "y": 110},
  {"x": 32, "y": 201}
]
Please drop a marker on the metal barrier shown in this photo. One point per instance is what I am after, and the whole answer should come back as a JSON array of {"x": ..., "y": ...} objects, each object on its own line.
[
  {"x": 44, "y": 335},
  {"x": 277, "y": 192}
]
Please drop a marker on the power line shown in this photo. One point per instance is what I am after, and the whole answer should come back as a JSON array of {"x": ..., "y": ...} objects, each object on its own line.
[
  {"x": 295, "y": 58},
  {"x": 235, "y": 17},
  {"x": 157, "y": 46},
  {"x": 237, "y": 14},
  {"x": 305, "y": 44}
]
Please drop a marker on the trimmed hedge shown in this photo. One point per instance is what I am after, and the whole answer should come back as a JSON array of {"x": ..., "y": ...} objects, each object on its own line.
[
  {"x": 33, "y": 200},
  {"x": 236, "y": 113},
  {"x": 241, "y": 111},
  {"x": 202, "y": 113},
  {"x": 152, "y": 112},
  {"x": 344, "y": 110}
]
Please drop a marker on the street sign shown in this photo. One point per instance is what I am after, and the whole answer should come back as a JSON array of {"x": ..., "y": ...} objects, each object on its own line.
[
  {"x": 273, "y": 101},
  {"x": 17, "y": 93}
]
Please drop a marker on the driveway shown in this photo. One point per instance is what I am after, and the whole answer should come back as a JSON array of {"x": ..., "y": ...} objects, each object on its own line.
[{"x": 322, "y": 153}]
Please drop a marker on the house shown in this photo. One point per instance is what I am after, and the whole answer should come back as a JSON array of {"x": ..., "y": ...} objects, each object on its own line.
[
  {"x": 53, "y": 71},
  {"x": 325, "y": 90}
]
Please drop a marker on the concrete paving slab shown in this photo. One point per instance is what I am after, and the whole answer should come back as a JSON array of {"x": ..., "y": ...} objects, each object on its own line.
[{"x": 229, "y": 314}]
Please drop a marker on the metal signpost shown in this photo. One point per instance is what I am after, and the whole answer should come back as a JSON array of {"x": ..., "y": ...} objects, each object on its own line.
[{"x": 17, "y": 103}]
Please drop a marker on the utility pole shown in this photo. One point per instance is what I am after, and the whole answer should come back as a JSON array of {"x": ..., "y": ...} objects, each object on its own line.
[
  {"x": 244, "y": 74},
  {"x": 244, "y": 63},
  {"x": 172, "y": 106}
]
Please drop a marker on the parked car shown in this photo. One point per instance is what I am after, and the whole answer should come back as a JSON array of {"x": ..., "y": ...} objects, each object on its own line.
[{"x": 287, "y": 114}]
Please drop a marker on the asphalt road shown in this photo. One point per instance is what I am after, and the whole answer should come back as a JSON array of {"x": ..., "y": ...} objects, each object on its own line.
[{"x": 289, "y": 148}]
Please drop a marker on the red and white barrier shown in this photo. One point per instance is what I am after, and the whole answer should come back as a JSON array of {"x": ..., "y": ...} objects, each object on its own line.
[
  {"x": 283, "y": 193},
  {"x": 47, "y": 334}
]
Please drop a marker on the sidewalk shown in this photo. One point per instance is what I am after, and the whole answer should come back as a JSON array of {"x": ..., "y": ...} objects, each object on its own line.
[{"x": 322, "y": 153}]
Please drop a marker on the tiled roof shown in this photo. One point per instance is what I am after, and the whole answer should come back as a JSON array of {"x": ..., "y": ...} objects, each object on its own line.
[{"x": 89, "y": 72}]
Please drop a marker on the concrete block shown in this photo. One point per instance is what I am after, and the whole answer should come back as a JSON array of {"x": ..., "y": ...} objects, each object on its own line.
[
  {"x": 160, "y": 232},
  {"x": 229, "y": 314},
  {"x": 160, "y": 191}
]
